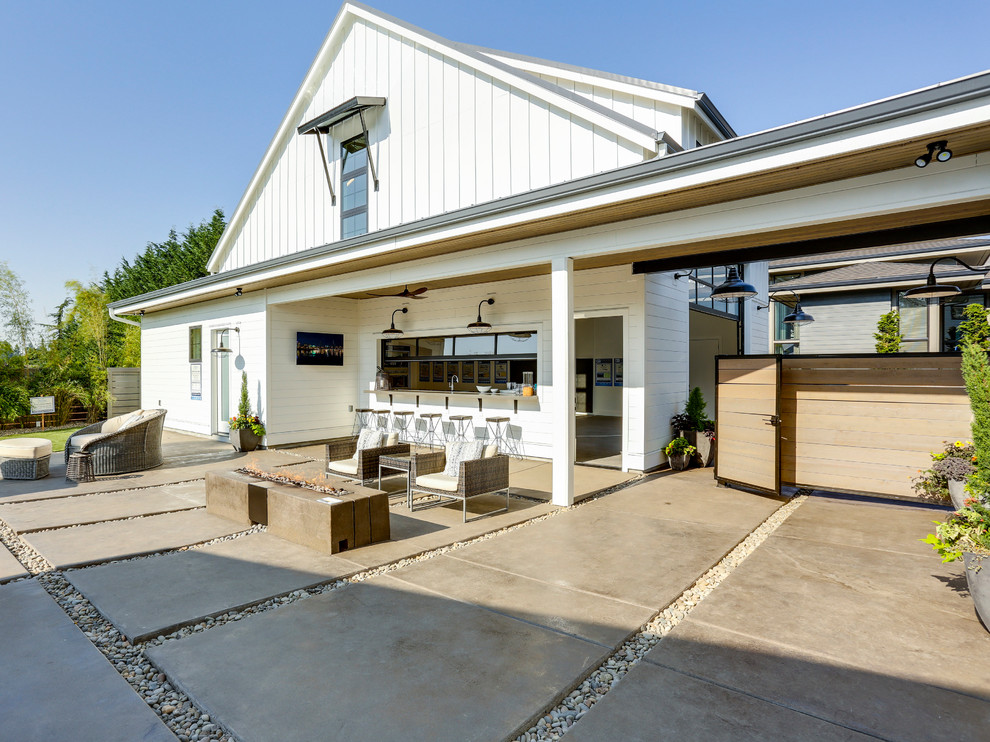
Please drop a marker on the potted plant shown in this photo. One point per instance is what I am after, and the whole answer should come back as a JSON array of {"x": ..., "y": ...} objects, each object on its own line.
[
  {"x": 679, "y": 452},
  {"x": 692, "y": 421},
  {"x": 946, "y": 477},
  {"x": 246, "y": 430}
]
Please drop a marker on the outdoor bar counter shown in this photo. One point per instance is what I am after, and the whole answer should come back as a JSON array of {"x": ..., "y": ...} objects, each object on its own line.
[{"x": 437, "y": 398}]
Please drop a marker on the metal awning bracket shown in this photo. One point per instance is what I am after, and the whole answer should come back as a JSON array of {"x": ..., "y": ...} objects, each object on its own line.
[
  {"x": 326, "y": 167},
  {"x": 367, "y": 140}
]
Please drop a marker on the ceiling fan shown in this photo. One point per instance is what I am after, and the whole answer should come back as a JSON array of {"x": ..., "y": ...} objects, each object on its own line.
[{"x": 406, "y": 293}]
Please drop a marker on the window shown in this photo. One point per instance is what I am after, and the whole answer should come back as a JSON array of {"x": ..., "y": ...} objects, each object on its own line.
[
  {"x": 913, "y": 315},
  {"x": 953, "y": 315},
  {"x": 354, "y": 188},
  {"x": 195, "y": 344},
  {"x": 786, "y": 337},
  {"x": 703, "y": 280}
]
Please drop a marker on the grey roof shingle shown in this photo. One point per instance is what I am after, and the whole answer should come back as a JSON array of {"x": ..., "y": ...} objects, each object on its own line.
[
  {"x": 872, "y": 272},
  {"x": 907, "y": 249}
]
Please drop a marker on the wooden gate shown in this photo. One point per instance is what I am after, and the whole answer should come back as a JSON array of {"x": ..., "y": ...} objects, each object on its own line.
[
  {"x": 747, "y": 416},
  {"x": 864, "y": 424}
]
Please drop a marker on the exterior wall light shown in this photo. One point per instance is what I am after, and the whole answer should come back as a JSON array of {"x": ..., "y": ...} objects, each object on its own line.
[
  {"x": 394, "y": 331},
  {"x": 238, "y": 291},
  {"x": 478, "y": 327},
  {"x": 796, "y": 317},
  {"x": 939, "y": 150},
  {"x": 733, "y": 287},
  {"x": 934, "y": 290}
]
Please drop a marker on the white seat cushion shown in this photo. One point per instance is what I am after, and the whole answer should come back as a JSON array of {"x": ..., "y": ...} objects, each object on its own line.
[
  {"x": 344, "y": 466},
  {"x": 25, "y": 448},
  {"x": 437, "y": 482},
  {"x": 80, "y": 440},
  {"x": 491, "y": 450},
  {"x": 392, "y": 439}
]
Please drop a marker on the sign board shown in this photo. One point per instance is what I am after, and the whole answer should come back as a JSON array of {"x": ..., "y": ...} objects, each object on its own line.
[
  {"x": 617, "y": 372},
  {"x": 42, "y": 405},
  {"x": 196, "y": 381},
  {"x": 603, "y": 372}
]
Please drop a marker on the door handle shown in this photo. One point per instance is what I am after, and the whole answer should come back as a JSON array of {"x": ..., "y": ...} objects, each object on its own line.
[{"x": 773, "y": 420}]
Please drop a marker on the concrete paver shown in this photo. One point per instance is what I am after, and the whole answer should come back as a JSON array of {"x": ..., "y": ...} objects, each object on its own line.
[
  {"x": 103, "y": 542},
  {"x": 148, "y": 597},
  {"x": 10, "y": 568},
  {"x": 593, "y": 617},
  {"x": 55, "y": 685},
  {"x": 380, "y": 660},
  {"x": 39, "y": 515},
  {"x": 653, "y": 703}
]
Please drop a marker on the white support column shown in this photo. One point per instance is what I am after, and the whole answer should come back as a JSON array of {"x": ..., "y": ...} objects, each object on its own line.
[{"x": 562, "y": 330}]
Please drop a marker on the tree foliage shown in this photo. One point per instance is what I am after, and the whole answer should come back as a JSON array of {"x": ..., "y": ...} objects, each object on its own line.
[
  {"x": 974, "y": 329},
  {"x": 976, "y": 374},
  {"x": 888, "y": 335},
  {"x": 15, "y": 308}
]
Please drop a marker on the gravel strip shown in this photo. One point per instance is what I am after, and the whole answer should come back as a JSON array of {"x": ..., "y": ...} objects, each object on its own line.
[{"x": 557, "y": 721}]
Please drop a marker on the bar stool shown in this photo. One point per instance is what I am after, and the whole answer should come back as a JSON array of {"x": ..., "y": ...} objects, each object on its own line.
[
  {"x": 400, "y": 424},
  {"x": 498, "y": 431},
  {"x": 362, "y": 419},
  {"x": 460, "y": 424},
  {"x": 381, "y": 419},
  {"x": 432, "y": 431}
]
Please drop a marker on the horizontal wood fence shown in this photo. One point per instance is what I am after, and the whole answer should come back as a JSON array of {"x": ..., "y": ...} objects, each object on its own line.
[
  {"x": 124, "y": 387},
  {"x": 862, "y": 424}
]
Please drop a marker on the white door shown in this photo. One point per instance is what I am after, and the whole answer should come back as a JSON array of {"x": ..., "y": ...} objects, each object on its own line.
[{"x": 221, "y": 383}]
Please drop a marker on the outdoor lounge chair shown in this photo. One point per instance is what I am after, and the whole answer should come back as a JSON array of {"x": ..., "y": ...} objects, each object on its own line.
[
  {"x": 482, "y": 476},
  {"x": 126, "y": 443},
  {"x": 345, "y": 459}
]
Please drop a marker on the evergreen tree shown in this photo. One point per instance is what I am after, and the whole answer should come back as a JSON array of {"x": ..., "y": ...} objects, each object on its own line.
[{"x": 888, "y": 334}]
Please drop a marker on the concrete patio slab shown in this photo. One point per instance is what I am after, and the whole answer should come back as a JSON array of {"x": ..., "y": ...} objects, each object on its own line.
[
  {"x": 657, "y": 559},
  {"x": 690, "y": 496},
  {"x": 653, "y": 703},
  {"x": 10, "y": 568},
  {"x": 148, "y": 597},
  {"x": 859, "y": 636},
  {"x": 56, "y": 685},
  {"x": 592, "y": 617},
  {"x": 381, "y": 660},
  {"x": 39, "y": 515},
  {"x": 103, "y": 542}
]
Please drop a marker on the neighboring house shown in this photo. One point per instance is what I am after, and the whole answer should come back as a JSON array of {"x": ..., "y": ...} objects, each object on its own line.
[
  {"x": 847, "y": 293},
  {"x": 595, "y": 210}
]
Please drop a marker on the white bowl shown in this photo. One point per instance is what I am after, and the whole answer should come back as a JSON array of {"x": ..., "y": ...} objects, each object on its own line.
[{"x": 483, "y": 389}]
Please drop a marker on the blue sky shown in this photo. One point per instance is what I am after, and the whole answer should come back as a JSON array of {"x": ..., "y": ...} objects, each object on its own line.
[{"x": 121, "y": 120}]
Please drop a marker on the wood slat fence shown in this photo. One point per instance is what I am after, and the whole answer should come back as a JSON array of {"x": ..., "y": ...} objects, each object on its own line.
[{"x": 124, "y": 387}]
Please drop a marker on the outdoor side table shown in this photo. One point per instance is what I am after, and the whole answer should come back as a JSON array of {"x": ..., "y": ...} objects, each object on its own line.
[
  {"x": 397, "y": 463},
  {"x": 79, "y": 467}
]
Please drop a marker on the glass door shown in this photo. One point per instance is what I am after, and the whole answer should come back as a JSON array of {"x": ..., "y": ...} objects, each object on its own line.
[{"x": 221, "y": 383}]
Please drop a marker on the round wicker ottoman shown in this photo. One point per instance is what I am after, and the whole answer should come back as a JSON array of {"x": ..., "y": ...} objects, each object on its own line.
[{"x": 25, "y": 458}]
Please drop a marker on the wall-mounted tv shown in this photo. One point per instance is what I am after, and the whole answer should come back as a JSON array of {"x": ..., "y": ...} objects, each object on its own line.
[{"x": 319, "y": 349}]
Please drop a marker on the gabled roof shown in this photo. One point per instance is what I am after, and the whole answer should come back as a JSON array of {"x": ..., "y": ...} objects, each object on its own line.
[
  {"x": 861, "y": 274},
  {"x": 594, "y": 113},
  {"x": 914, "y": 249}
]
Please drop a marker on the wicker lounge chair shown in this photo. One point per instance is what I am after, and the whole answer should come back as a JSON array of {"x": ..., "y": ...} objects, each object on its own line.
[
  {"x": 485, "y": 476},
  {"x": 345, "y": 460},
  {"x": 131, "y": 442}
]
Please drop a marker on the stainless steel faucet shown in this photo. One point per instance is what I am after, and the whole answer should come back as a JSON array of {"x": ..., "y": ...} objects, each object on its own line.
[{"x": 453, "y": 379}]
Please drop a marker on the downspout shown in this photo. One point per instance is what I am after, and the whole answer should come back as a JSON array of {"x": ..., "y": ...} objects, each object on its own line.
[{"x": 113, "y": 316}]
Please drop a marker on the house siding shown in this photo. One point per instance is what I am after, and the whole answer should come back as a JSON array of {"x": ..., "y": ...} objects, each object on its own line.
[{"x": 843, "y": 323}]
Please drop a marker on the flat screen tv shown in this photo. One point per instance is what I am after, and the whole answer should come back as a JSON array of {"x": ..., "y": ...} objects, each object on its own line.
[{"x": 319, "y": 349}]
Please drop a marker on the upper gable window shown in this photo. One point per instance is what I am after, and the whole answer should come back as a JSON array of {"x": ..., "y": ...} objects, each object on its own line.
[{"x": 354, "y": 187}]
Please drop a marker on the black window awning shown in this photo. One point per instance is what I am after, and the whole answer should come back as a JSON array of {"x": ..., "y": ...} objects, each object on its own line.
[{"x": 339, "y": 114}]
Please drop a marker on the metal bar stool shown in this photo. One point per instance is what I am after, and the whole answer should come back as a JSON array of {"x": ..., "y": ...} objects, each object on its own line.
[
  {"x": 432, "y": 431},
  {"x": 400, "y": 423},
  {"x": 460, "y": 424},
  {"x": 498, "y": 432},
  {"x": 381, "y": 419},
  {"x": 362, "y": 419}
]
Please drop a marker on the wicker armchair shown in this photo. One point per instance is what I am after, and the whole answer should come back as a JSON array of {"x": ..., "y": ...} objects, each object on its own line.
[
  {"x": 131, "y": 442},
  {"x": 484, "y": 476},
  {"x": 344, "y": 460}
]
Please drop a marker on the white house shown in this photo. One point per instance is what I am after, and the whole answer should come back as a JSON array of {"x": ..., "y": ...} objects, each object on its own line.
[{"x": 590, "y": 207}]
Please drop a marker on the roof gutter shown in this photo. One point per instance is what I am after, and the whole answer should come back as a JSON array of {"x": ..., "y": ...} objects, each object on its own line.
[{"x": 117, "y": 318}]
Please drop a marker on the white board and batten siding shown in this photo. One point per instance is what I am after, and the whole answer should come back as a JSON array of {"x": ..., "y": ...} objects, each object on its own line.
[
  {"x": 449, "y": 136},
  {"x": 165, "y": 377}
]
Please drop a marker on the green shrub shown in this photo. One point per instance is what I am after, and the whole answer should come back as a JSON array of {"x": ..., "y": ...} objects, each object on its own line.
[
  {"x": 974, "y": 329},
  {"x": 680, "y": 445},
  {"x": 888, "y": 334}
]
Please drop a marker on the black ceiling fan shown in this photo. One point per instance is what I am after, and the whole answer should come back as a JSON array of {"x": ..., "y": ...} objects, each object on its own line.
[{"x": 406, "y": 293}]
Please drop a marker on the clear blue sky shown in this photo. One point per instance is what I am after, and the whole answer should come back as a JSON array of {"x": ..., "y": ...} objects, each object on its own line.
[{"x": 120, "y": 120}]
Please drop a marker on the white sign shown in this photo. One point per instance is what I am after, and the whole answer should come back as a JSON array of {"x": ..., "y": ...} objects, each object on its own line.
[{"x": 42, "y": 405}]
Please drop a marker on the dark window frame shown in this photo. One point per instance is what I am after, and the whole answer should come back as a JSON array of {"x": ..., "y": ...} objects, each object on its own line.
[
  {"x": 346, "y": 150},
  {"x": 196, "y": 347}
]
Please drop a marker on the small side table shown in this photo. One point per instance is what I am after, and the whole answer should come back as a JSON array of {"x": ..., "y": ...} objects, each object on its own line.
[
  {"x": 79, "y": 467},
  {"x": 397, "y": 463}
]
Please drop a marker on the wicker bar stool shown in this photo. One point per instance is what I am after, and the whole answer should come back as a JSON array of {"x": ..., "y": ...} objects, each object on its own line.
[
  {"x": 79, "y": 467},
  {"x": 460, "y": 424},
  {"x": 362, "y": 419},
  {"x": 400, "y": 424},
  {"x": 381, "y": 419},
  {"x": 498, "y": 432},
  {"x": 432, "y": 430}
]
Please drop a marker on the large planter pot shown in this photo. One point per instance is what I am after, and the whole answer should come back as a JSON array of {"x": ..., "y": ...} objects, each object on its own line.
[
  {"x": 244, "y": 440},
  {"x": 679, "y": 461},
  {"x": 978, "y": 579},
  {"x": 957, "y": 492},
  {"x": 706, "y": 450}
]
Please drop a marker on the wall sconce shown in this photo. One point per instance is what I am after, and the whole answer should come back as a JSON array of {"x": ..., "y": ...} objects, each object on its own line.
[
  {"x": 939, "y": 150},
  {"x": 394, "y": 331},
  {"x": 478, "y": 327},
  {"x": 734, "y": 287},
  {"x": 933, "y": 290},
  {"x": 797, "y": 317},
  {"x": 223, "y": 348}
]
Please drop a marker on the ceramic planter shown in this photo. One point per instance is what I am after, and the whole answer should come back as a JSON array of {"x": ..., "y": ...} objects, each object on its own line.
[
  {"x": 706, "y": 450},
  {"x": 978, "y": 579},
  {"x": 957, "y": 492},
  {"x": 679, "y": 461},
  {"x": 244, "y": 440}
]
